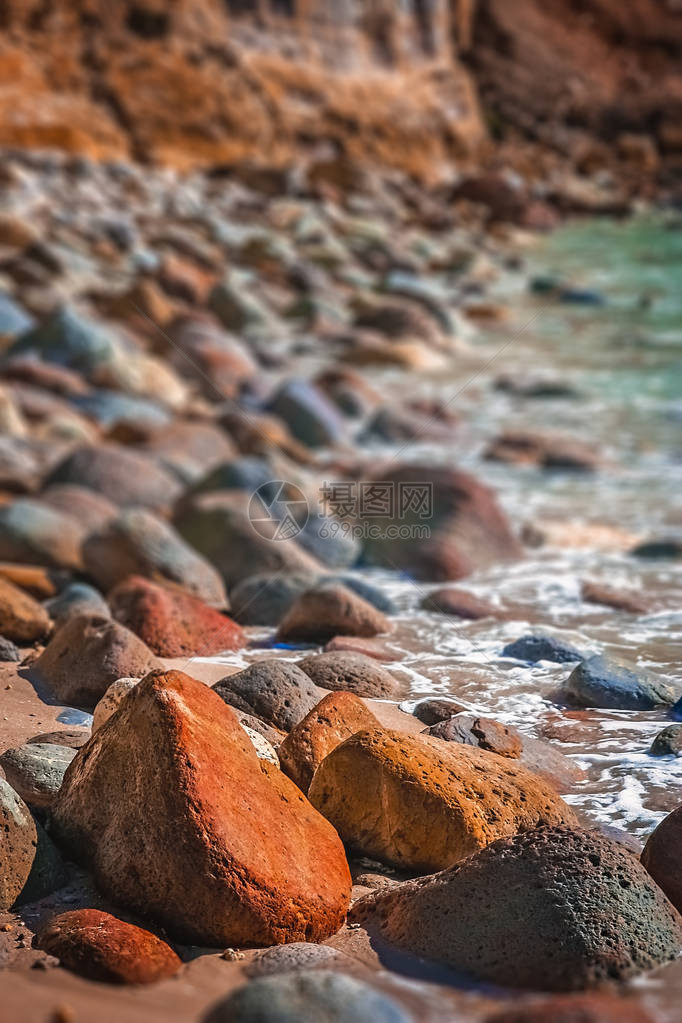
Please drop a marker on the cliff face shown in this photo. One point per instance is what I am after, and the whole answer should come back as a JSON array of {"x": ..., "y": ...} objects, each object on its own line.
[{"x": 193, "y": 82}]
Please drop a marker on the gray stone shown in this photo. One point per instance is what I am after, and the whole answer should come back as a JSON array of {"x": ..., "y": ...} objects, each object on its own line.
[
  {"x": 35, "y": 771},
  {"x": 276, "y": 691}
]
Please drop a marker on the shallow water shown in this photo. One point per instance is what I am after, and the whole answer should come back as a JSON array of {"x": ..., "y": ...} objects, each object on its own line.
[{"x": 624, "y": 360}]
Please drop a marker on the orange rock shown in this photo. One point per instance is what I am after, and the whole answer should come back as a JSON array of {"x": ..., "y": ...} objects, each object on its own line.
[
  {"x": 330, "y": 609},
  {"x": 171, "y": 808},
  {"x": 22, "y": 619},
  {"x": 99, "y": 946},
  {"x": 333, "y": 720},
  {"x": 410, "y": 802}
]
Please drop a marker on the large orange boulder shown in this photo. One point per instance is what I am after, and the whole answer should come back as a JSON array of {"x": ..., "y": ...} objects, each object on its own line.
[
  {"x": 421, "y": 805},
  {"x": 331, "y": 722},
  {"x": 170, "y": 807}
]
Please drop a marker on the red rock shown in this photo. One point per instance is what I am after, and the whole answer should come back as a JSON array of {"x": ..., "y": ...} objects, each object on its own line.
[
  {"x": 170, "y": 807},
  {"x": 327, "y": 610},
  {"x": 101, "y": 947},
  {"x": 451, "y": 601},
  {"x": 172, "y": 622},
  {"x": 22, "y": 619},
  {"x": 609, "y": 596},
  {"x": 662, "y": 856}
]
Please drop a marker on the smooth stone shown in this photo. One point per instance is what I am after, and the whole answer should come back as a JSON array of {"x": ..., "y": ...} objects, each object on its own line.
[
  {"x": 276, "y": 691},
  {"x": 620, "y": 600},
  {"x": 368, "y": 591},
  {"x": 326, "y": 540},
  {"x": 602, "y": 682},
  {"x": 30, "y": 866},
  {"x": 327, "y": 610},
  {"x": 312, "y": 418},
  {"x": 663, "y": 547},
  {"x": 14, "y": 320},
  {"x": 265, "y": 599},
  {"x": 76, "y": 599},
  {"x": 35, "y": 534},
  {"x": 22, "y": 619},
  {"x": 458, "y": 604},
  {"x": 36, "y": 771},
  {"x": 541, "y": 648},
  {"x": 434, "y": 709},
  {"x": 353, "y": 673},
  {"x": 74, "y": 738},
  {"x": 90, "y": 509},
  {"x": 123, "y": 476}
]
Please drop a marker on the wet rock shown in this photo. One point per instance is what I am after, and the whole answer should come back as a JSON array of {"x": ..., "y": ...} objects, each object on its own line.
[
  {"x": 433, "y": 710},
  {"x": 265, "y": 599},
  {"x": 662, "y": 856},
  {"x": 368, "y": 591},
  {"x": 484, "y": 733},
  {"x": 620, "y": 600},
  {"x": 416, "y": 803},
  {"x": 35, "y": 771},
  {"x": 300, "y": 955},
  {"x": 171, "y": 622},
  {"x": 450, "y": 522},
  {"x": 30, "y": 866},
  {"x": 663, "y": 547},
  {"x": 536, "y": 648},
  {"x": 356, "y": 645},
  {"x": 101, "y": 947},
  {"x": 327, "y": 610},
  {"x": 246, "y": 859},
  {"x": 331, "y": 722},
  {"x": 76, "y": 599},
  {"x": 123, "y": 476},
  {"x": 557, "y": 922},
  {"x": 22, "y": 619},
  {"x": 668, "y": 742},
  {"x": 309, "y": 995},
  {"x": 35, "y": 534},
  {"x": 8, "y": 651},
  {"x": 458, "y": 603},
  {"x": 111, "y": 701},
  {"x": 547, "y": 452},
  {"x": 276, "y": 691},
  {"x": 602, "y": 682},
  {"x": 217, "y": 525},
  {"x": 311, "y": 417},
  {"x": 86, "y": 655},
  {"x": 139, "y": 543},
  {"x": 353, "y": 673},
  {"x": 575, "y": 1009},
  {"x": 90, "y": 509},
  {"x": 535, "y": 386}
]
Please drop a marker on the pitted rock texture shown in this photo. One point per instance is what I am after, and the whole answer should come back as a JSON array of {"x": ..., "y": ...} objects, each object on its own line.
[
  {"x": 351, "y": 672},
  {"x": 276, "y": 691}
]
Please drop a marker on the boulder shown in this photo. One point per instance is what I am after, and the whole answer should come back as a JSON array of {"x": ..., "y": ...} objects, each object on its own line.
[
  {"x": 276, "y": 691},
  {"x": 170, "y": 807},
  {"x": 139, "y": 543},
  {"x": 36, "y": 534},
  {"x": 353, "y": 673},
  {"x": 327, "y": 610},
  {"x": 86, "y": 655},
  {"x": 265, "y": 599},
  {"x": 111, "y": 701},
  {"x": 30, "y": 866},
  {"x": 308, "y": 996},
  {"x": 458, "y": 603},
  {"x": 447, "y": 523},
  {"x": 588, "y": 1008},
  {"x": 602, "y": 682},
  {"x": 536, "y": 648},
  {"x": 554, "y": 909},
  {"x": 101, "y": 947},
  {"x": 171, "y": 622},
  {"x": 331, "y": 722},
  {"x": 123, "y": 476},
  {"x": 668, "y": 742},
  {"x": 35, "y": 771},
  {"x": 416, "y": 803},
  {"x": 662, "y": 856},
  {"x": 22, "y": 619}
]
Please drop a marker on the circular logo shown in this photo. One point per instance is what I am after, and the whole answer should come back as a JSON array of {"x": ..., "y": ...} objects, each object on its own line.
[{"x": 278, "y": 510}]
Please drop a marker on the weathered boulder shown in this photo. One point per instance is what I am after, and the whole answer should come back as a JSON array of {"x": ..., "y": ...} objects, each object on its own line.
[
  {"x": 602, "y": 682},
  {"x": 101, "y": 947},
  {"x": 331, "y": 722},
  {"x": 36, "y": 770},
  {"x": 327, "y": 610},
  {"x": 124, "y": 476},
  {"x": 662, "y": 856},
  {"x": 171, "y": 622},
  {"x": 419, "y": 804},
  {"x": 179, "y": 821},
  {"x": 22, "y": 619},
  {"x": 30, "y": 866},
  {"x": 276, "y": 691},
  {"x": 86, "y": 655},
  {"x": 555, "y": 909},
  {"x": 351, "y": 672}
]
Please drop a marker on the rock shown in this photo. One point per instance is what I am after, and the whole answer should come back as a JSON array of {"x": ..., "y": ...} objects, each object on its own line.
[
  {"x": 111, "y": 701},
  {"x": 35, "y": 534},
  {"x": 668, "y": 742},
  {"x": 190, "y": 449},
  {"x": 353, "y": 673},
  {"x": 575, "y": 1009},
  {"x": 13, "y": 319},
  {"x": 247, "y": 473},
  {"x": 39, "y": 582},
  {"x": 450, "y": 524},
  {"x": 546, "y": 452},
  {"x": 503, "y": 196},
  {"x": 368, "y": 591},
  {"x": 76, "y": 599},
  {"x": 534, "y": 648},
  {"x": 30, "y": 867},
  {"x": 101, "y": 947},
  {"x": 217, "y": 525},
  {"x": 458, "y": 603},
  {"x": 246, "y": 859},
  {"x": 265, "y": 599},
  {"x": 22, "y": 619},
  {"x": 415, "y": 803},
  {"x": 397, "y": 426},
  {"x": 8, "y": 651},
  {"x": 237, "y": 309},
  {"x": 311, "y": 417},
  {"x": 301, "y": 955},
  {"x": 554, "y": 909},
  {"x": 69, "y": 340},
  {"x": 331, "y": 722},
  {"x": 602, "y": 682},
  {"x": 123, "y": 476},
  {"x": 662, "y": 856},
  {"x": 325, "y": 538},
  {"x": 620, "y": 600},
  {"x": 433, "y": 710},
  {"x": 86, "y": 655},
  {"x": 263, "y": 749},
  {"x": 276, "y": 691},
  {"x": 35, "y": 771},
  {"x": 484, "y": 733},
  {"x": 328, "y": 610},
  {"x": 171, "y": 622},
  {"x": 74, "y": 738},
  {"x": 308, "y": 996},
  {"x": 139, "y": 543}
]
